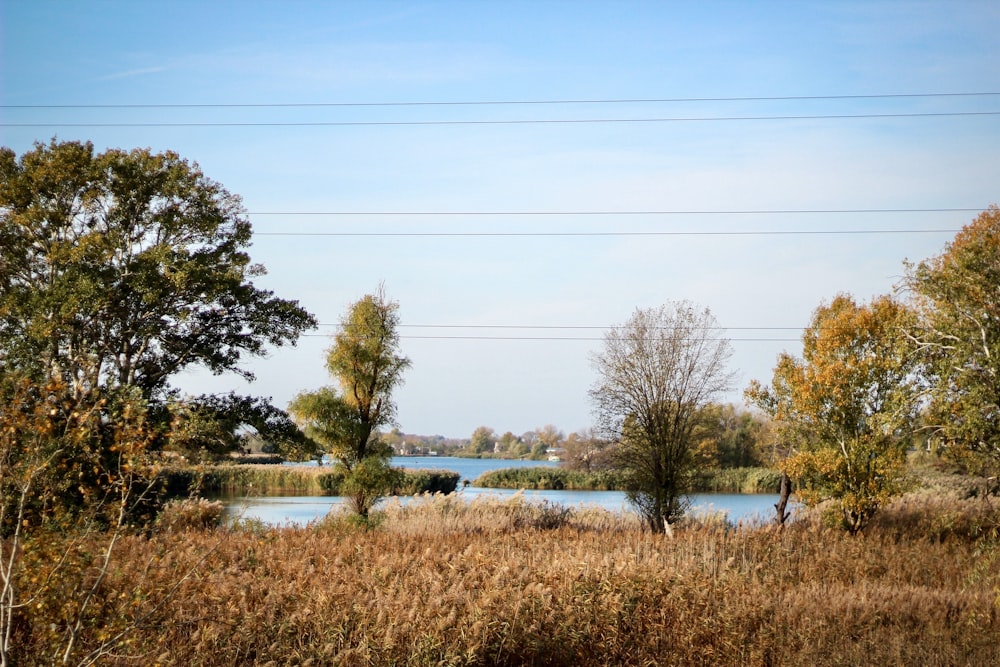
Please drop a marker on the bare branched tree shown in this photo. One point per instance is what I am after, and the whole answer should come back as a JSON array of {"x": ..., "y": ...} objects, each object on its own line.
[{"x": 656, "y": 372}]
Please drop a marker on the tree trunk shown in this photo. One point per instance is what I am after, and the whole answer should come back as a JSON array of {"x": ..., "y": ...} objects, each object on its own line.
[{"x": 785, "y": 490}]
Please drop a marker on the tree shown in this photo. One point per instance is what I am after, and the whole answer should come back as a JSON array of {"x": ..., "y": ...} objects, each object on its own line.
[
  {"x": 729, "y": 437},
  {"x": 848, "y": 406},
  {"x": 549, "y": 437},
  {"x": 957, "y": 296},
  {"x": 656, "y": 372},
  {"x": 482, "y": 441},
  {"x": 125, "y": 268},
  {"x": 210, "y": 427},
  {"x": 117, "y": 271},
  {"x": 512, "y": 446},
  {"x": 365, "y": 359},
  {"x": 586, "y": 451}
]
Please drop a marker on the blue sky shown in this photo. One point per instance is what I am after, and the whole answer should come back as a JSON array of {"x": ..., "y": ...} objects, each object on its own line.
[{"x": 226, "y": 53}]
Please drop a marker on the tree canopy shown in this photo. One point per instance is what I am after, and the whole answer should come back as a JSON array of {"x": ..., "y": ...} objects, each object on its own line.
[
  {"x": 126, "y": 267},
  {"x": 655, "y": 373},
  {"x": 957, "y": 296},
  {"x": 847, "y": 407},
  {"x": 366, "y": 361}
]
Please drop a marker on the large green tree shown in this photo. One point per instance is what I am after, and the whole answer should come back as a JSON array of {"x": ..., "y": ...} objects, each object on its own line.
[
  {"x": 847, "y": 408},
  {"x": 365, "y": 359},
  {"x": 957, "y": 295},
  {"x": 125, "y": 268},
  {"x": 655, "y": 374}
]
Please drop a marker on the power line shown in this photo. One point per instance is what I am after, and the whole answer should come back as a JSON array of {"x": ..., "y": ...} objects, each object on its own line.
[
  {"x": 530, "y": 121},
  {"x": 565, "y": 338},
  {"x": 667, "y": 100},
  {"x": 629, "y": 213},
  {"x": 842, "y": 232},
  {"x": 625, "y": 212},
  {"x": 550, "y": 327}
]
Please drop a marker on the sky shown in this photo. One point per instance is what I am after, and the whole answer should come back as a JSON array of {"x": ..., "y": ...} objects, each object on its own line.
[{"x": 522, "y": 175}]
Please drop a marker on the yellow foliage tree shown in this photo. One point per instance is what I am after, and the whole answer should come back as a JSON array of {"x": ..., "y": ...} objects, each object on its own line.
[{"x": 848, "y": 406}]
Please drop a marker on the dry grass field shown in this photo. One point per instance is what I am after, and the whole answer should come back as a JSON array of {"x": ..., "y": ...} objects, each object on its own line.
[{"x": 442, "y": 582}]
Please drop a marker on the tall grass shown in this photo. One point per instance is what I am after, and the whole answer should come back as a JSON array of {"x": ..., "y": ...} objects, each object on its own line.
[{"x": 506, "y": 583}]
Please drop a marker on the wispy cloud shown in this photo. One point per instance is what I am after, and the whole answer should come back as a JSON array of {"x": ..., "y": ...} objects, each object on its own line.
[{"x": 127, "y": 74}]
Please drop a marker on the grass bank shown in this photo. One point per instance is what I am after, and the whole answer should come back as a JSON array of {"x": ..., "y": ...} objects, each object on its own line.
[
  {"x": 730, "y": 480},
  {"x": 444, "y": 581},
  {"x": 279, "y": 480}
]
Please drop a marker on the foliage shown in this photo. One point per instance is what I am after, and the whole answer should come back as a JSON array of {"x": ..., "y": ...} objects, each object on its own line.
[
  {"x": 727, "y": 437},
  {"x": 587, "y": 451},
  {"x": 655, "y": 374},
  {"x": 271, "y": 480},
  {"x": 737, "y": 480},
  {"x": 848, "y": 406},
  {"x": 415, "y": 482},
  {"x": 211, "y": 427},
  {"x": 125, "y": 268},
  {"x": 550, "y": 477},
  {"x": 65, "y": 460},
  {"x": 69, "y": 466},
  {"x": 117, "y": 271},
  {"x": 365, "y": 360},
  {"x": 704, "y": 480},
  {"x": 482, "y": 441},
  {"x": 957, "y": 295}
]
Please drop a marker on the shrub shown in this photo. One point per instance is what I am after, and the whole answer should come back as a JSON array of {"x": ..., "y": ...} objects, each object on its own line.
[{"x": 427, "y": 481}]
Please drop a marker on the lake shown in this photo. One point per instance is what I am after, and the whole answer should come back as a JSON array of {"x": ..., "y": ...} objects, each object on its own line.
[{"x": 300, "y": 510}]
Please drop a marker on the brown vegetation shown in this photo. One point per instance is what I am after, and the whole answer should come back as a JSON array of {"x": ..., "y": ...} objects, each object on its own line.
[{"x": 509, "y": 583}]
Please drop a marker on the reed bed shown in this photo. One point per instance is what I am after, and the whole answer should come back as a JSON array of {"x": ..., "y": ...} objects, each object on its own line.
[
  {"x": 510, "y": 582},
  {"x": 277, "y": 480},
  {"x": 725, "y": 480},
  {"x": 738, "y": 480},
  {"x": 550, "y": 478}
]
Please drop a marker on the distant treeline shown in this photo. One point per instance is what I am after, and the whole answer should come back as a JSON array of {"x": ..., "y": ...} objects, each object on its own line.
[
  {"x": 726, "y": 480},
  {"x": 272, "y": 480}
]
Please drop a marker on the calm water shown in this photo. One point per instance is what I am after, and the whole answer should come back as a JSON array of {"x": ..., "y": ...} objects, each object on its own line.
[{"x": 300, "y": 510}]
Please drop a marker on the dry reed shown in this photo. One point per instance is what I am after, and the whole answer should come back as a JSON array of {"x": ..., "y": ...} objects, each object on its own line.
[{"x": 440, "y": 581}]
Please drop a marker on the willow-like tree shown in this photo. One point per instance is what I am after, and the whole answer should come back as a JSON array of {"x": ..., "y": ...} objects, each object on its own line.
[
  {"x": 957, "y": 296},
  {"x": 365, "y": 359},
  {"x": 847, "y": 408},
  {"x": 655, "y": 374}
]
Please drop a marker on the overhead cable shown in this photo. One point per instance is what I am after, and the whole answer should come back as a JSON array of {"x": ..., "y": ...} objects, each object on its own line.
[
  {"x": 632, "y": 212},
  {"x": 772, "y": 232},
  {"x": 661, "y": 100},
  {"x": 527, "y": 121}
]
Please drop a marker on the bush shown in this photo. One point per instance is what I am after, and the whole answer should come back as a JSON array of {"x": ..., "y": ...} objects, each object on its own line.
[{"x": 427, "y": 481}]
